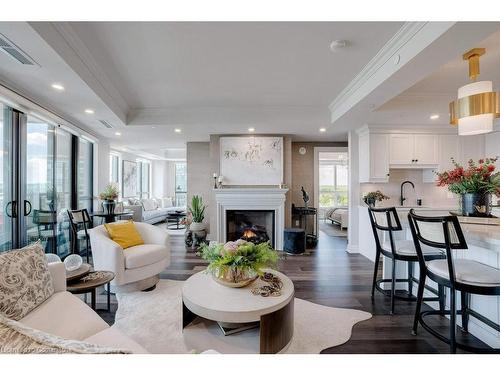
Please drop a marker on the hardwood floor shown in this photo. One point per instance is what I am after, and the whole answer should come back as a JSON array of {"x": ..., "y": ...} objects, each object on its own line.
[{"x": 330, "y": 276}]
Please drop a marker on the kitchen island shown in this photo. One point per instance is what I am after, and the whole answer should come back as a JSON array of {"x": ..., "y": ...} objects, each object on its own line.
[{"x": 483, "y": 246}]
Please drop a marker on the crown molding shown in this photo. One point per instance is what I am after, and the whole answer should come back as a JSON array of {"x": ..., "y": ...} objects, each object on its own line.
[
  {"x": 408, "y": 41},
  {"x": 68, "y": 45}
]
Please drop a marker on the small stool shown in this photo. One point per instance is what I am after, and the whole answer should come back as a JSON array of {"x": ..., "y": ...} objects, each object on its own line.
[{"x": 295, "y": 241}]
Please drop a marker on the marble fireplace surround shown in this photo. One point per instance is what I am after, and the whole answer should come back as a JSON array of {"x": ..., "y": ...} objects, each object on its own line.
[{"x": 251, "y": 199}]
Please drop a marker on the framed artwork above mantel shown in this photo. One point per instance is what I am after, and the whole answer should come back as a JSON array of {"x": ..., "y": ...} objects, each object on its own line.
[{"x": 251, "y": 161}]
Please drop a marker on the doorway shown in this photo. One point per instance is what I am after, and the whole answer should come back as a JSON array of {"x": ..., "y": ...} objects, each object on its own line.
[{"x": 331, "y": 189}]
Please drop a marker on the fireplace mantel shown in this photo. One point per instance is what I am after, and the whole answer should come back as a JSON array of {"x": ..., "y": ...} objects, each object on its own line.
[{"x": 251, "y": 198}]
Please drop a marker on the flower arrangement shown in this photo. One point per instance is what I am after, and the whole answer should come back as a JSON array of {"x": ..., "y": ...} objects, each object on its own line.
[
  {"x": 109, "y": 193},
  {"x": 374, "y": 196},
  {"x": 476, "y": 178},
  {"x": 238, "y": 263}
]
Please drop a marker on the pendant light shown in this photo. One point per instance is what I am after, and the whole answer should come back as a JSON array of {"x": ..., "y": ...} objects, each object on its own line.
[{"x": 477, "y": 104}]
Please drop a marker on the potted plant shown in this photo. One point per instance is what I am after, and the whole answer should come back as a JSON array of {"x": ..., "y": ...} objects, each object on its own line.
[
  {"x": 474, "y": 183},
  {"x": 197, "y": 211},
  {"x": 237, "y": 264},
  {"x": 372, "y": 197},
  {"x": 108, "y": 196}
]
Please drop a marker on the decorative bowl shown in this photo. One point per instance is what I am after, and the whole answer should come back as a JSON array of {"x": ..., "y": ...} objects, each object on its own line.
[
  {"x": 234, "y": 277},
  {"x": 52, "y": 258},
  {"x": 73, "y": 262}
]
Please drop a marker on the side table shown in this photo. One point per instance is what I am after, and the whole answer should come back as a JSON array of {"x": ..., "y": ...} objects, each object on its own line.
[
  {"x": 89, "y": 283},
  {"x": 193, "y": 239}
]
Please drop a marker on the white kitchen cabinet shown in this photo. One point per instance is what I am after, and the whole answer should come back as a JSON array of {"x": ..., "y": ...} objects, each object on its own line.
[
  {"x": 373, "y": 157},
  {"x": 472, "y": 147},
  {"x": 448, "y": 147},
  {"x": 413, "y": 150}
]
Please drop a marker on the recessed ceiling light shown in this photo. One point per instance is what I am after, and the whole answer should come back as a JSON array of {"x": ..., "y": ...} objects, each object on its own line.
[
  {"x": 89, "y": 111},
  {"x": 177, "y": 130},
  {"x": 434, "y": 117},
  {"x": 337, "y": 44},
  {"x": 153, "y": 127},
  {"x": 322, "y": 130},
  {"x": 58, "y": 87},
  {"x": 251, "y": 130},
  {"x": 118, "y": 133}
]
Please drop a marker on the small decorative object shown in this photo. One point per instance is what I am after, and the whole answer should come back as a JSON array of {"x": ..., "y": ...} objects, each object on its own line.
[
  {"x": 273, "y": 289},
  {"x": 475, "y": 184},
  {"x": 108, "y": 196},
  {"x": 305, "y": 196},
  {"x": 302, "y": 150},
  {"x": 374, "y": 196},
  {"x": 73, "y": 262},
  {"x": 194, "y": 239},
  {"x": 237, "y": 264},
  {"x": 197, "y": 211},
  {"x": 215, "y": 180},
  {"x": 52, "y": 258},
  {"x": 220, "y": 179}
]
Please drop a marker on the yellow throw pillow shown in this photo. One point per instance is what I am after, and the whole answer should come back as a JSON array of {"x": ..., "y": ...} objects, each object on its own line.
[{"x": 124, "y": 234}]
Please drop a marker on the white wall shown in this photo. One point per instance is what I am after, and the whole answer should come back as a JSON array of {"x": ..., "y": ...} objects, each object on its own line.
[{"x": 353, "y": 228}]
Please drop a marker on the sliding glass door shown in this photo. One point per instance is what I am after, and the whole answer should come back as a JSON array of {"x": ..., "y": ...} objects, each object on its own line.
[
  {"x": 6, "y": 163},
  {"x": 38, "y": 194}
]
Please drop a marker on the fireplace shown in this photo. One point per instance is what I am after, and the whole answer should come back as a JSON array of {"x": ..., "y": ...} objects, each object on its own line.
[{"x": 256, "y": 226}]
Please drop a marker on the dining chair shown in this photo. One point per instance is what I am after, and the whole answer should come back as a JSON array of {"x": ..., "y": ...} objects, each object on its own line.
[
  {"x": 46, "y": 222},
  {"x": 80, "y": 224}
]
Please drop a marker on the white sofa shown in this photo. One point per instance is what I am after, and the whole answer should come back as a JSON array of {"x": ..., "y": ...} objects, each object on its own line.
[
  {"x": 151, "y": 211},
  {"x": 137, "y": 267},
  {"x": 65, "y": 315}
]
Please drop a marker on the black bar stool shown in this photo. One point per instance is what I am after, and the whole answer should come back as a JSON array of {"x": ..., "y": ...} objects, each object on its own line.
[
  {"x": 462, "y": 275},
  {"x": 386, "y": 220},
  {"x": 80, "y": 224}
]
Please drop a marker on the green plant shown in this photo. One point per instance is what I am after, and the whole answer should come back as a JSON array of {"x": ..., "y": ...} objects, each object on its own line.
[
  {"x": 242, "y": 255},
  {"x": 375, "y": 196},
  {"x": 197, "y": 209},
  {"x": 110, "y": 192},
  {"x": 476, "y": 178}
]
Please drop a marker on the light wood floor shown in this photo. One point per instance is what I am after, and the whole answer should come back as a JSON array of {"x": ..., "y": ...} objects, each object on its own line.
[{"x": 330, "y": 276}]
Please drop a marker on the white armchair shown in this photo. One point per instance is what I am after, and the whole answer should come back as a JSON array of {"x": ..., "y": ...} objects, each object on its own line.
[{"x": 137, "y": 267}]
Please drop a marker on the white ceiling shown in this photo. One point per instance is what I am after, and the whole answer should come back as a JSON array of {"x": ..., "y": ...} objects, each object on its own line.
[
  {"x": 433, "y": 94},
  {"x": 204, "y": 78}
]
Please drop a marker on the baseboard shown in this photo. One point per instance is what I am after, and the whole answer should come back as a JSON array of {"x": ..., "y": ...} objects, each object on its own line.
[{"x": 352, "y": 249}]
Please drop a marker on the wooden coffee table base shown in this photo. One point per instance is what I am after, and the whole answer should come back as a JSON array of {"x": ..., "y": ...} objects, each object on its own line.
[{"x": 276, "y": 328}]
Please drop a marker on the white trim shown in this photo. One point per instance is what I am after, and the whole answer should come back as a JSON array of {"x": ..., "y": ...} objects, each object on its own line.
[{"x": 352, "y": 249}]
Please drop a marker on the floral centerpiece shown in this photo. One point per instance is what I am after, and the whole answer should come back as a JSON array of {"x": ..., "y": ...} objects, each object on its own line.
[
  {"x": 475, "y": 183},
  {"x": 374, "y": 196},
  {"x": 239, "y": 263},
  {"x": 108, "y": 196}
]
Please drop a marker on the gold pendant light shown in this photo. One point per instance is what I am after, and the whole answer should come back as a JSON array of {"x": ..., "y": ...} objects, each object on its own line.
[{"x": 477, "y": 104}]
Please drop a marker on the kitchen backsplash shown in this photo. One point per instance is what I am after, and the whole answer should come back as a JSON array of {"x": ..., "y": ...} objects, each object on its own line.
[{"x": 430, "y": 194}]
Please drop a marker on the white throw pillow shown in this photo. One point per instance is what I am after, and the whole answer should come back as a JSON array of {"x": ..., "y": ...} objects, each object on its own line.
[
  {"x": 148, "y": 204},
  {"x": 167, "y": 202}
]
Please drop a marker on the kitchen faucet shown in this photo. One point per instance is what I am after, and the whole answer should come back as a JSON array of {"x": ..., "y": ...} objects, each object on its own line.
[{"x": 402, "y": 198}]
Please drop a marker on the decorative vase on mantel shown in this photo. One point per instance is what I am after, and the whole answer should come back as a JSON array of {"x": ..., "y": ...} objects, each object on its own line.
[{"x": 476, "y": 204}]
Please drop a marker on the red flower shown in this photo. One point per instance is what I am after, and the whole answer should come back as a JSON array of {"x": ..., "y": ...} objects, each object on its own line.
[{"x": 491, "y": 168}]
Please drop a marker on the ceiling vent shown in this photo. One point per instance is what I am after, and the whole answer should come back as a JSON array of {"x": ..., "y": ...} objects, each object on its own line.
[
  {"x": 106, "y": 124},
  {"x": 9, "y": 48}
]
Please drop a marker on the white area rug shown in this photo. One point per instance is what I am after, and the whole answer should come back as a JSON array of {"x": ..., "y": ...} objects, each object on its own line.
[{"x": 153, "y": 319}]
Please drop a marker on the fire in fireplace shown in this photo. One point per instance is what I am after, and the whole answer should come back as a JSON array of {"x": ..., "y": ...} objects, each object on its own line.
[{"x": 255, "y": 226}]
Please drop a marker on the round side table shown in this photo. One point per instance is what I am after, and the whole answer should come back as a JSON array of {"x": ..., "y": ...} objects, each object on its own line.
[{"x": 89, "y": 283}]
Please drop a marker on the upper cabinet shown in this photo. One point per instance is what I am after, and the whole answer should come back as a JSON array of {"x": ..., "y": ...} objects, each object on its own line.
[
  {"x": 373, "y": 157},
  {"x": 413, "y": 150}
]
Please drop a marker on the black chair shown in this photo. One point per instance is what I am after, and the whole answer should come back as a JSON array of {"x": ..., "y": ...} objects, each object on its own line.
[
  {"x": 387, "y": 221},
  {"x": 80, "y": 224},
  {"x": 46, "y": 222},
  {"x": 464, "y": 275}
]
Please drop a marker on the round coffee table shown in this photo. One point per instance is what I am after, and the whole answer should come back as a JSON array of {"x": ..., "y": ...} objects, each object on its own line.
[
  {"x": 89, "y": 283},
  {"x": 203, "y": 297}
]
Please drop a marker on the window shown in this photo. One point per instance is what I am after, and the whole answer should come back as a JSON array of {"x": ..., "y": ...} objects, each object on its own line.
[
  {"x": 85, "y": 174},
  {"x": 143, "y": 179},
  {"x": 114, "y": 165},
  {"x": 333, "y": 179},
  {"x": 180, "y": 184}
]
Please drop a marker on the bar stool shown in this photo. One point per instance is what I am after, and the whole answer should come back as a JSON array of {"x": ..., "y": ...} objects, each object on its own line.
[
  {"x": 80, "y": 224},
  {"x": 386, "y": 220},
  {"x": 461, "y": 275}
]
